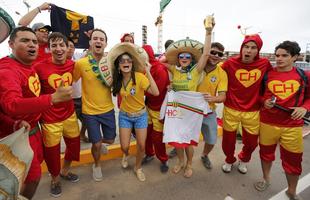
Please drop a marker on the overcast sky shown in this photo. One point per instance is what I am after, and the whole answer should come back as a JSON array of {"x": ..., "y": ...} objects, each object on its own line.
[{"x": 277, "y": 20}]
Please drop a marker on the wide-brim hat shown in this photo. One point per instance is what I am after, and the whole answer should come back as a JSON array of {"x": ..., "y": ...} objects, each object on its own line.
[
  {"x": 193, "y": 47},
  {"x": 6, "y": 25},
  {"x": 138, "y": 54}
]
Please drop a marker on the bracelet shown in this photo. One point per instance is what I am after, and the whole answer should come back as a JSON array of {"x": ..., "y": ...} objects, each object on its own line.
[{"x": 39, "y": 9}]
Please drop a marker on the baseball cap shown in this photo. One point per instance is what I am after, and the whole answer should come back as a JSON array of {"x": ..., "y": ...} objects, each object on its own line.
[{"x": 39, "y": 25}]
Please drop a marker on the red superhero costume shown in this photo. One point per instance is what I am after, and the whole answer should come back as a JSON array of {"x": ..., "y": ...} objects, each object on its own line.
[
  {"x": 19, "y": 98},
  {"x": 155, "y": 137},
  {"x": 51, "y": 76}
]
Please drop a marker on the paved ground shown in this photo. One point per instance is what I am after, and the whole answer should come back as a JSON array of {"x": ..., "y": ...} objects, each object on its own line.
[{"x": 119, "y": 184}]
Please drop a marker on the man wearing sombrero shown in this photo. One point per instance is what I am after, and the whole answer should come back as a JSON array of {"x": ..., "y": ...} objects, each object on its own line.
[
  {"x": 245, "y": 73},
  {"x": 187, "y": 59}
]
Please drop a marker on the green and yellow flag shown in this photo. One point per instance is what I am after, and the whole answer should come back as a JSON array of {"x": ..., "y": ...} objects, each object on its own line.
[{"x": 163, "y": 4}]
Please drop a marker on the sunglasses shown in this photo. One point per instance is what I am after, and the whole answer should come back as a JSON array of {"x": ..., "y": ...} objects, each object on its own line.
[
  {"x": 185, "y": 56},
  {"x": 219, "y": 54},
  {"x": 122, "y": 61},
  {"x": 43, "y": 30}
]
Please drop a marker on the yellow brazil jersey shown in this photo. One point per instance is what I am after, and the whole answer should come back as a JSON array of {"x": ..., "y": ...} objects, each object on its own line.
[
  {"x": 96, "y": 97},
  {"x": 213, "y": 82},
  {"x": 185, "y": 81},
  {"x": 133, "y": 95}
]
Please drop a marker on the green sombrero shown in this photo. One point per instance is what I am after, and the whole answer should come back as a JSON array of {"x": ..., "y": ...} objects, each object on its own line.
[{"x": 6, "y": 25}]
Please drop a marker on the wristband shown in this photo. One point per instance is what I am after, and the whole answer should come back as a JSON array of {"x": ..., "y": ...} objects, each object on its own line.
[{"x": 39, "y": 9}]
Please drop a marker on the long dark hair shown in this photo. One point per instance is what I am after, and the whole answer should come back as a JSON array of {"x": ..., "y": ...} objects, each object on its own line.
[{"x": 118, "y": 76}]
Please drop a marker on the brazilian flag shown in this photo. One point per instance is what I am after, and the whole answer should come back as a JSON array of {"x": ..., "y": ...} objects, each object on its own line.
[{"x": 72, "y": 24}]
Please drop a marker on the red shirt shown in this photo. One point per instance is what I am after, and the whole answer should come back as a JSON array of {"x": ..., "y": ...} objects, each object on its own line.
[
  {"x": 160, "y": 75},
  {"x": 50, "y": 77},
  {"x": 244, "y": 83},
  {"x": 284, "y": 86},
  {"x": 43, "y": 53},
  {"x": 6, "y": 125},
  {"x": 19, "y": 92}
]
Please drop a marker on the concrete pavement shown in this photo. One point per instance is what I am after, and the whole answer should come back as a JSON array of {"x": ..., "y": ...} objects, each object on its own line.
[{"x": 119, "y": 184}]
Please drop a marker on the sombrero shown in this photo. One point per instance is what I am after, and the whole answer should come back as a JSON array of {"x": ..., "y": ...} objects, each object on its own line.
[
  {"x": 139, "y": 56},
  {"x": 6, "y": 25},
  {"x": 186, "y": 45}
]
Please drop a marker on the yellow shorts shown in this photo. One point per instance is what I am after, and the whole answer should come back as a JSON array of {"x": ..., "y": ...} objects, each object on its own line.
[
  {"x": 153, "y": 118},
  {"x": 249, "y": 120},
  {"x": 52, "y": 132},
  {"x": 290, "y": 138}
]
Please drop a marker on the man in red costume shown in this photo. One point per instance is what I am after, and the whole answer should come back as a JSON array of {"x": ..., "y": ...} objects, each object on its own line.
[
  {"x": 42, "y": 31},
  {"x": 285, "y": 83},
  {"x": 20, "y": 97},
  {"x": 155, "y": 127},
  {"x": 245, "y": 73},
  {"x": 59, "y": 120}
]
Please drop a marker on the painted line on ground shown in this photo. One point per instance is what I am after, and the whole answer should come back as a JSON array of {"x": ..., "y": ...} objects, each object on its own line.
[{"x": 303, "y": 183}]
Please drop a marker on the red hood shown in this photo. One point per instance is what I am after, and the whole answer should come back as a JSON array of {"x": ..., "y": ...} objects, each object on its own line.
[
  {"x": 127, "y": 34},
  {"x": 150, "y": 52},
  {"x": 254, "y": 38}
]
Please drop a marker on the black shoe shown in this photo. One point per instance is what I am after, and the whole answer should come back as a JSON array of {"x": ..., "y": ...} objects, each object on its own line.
[
  {"x": 206, "y": 162},
  {"x": 70, "y": 177},
  {"x": 55, "y": 189},
  {"x": 173, "y": 153},
  {"x": 164, "y": 167},
  {"x": 147, "y": 159}
]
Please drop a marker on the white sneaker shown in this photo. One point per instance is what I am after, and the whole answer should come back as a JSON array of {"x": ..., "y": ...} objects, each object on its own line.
[
  {"x": 227, "y": 168},
  {"x": 97, "y": 174},
  {"x": 242, "y": 167},
  {"x": 140, "y": 174},
  {"x": 125, "y": 161}
]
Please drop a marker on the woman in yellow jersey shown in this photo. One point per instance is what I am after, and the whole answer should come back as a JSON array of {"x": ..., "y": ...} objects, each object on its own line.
[
  {"x": 132, "y": 85},
  {"x": 187, "y": 59}
]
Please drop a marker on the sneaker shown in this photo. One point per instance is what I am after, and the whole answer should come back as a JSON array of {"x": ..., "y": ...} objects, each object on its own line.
[
  {"x": 55, "y": 189},
  {"x": 164, "y": 167},
  {"x": 227, "y": 168},
  {"x": 206, "y": 162},
  {"x": 242, "y": 167},
  {"x": 173, "y": 153},
  {"x": 97, "y": 174},
  {"x": 73, "y": 178},
  {"x": 140, "y": 174},
  {"x": 104, "y": 149},
  {"x": 147, "y": 159},
  {"x": 125, "y": 161}
]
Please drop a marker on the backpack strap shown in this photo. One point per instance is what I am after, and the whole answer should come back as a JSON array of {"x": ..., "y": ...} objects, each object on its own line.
[{"x": 304, "y": 83}]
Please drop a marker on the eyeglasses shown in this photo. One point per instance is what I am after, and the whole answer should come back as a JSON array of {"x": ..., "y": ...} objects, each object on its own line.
[
  {"x": 122, "y": 61},
  {"x": 43, "y": 30},
  {"x": 218, "y": 53},
  {"x": 185, "y": 56}
]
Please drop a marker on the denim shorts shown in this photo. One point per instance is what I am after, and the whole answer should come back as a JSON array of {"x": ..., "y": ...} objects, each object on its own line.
[
  {"x": 96, "y": 123},
  {"x": 126, "y": 121},
  {"x": 209, "y": 128}
]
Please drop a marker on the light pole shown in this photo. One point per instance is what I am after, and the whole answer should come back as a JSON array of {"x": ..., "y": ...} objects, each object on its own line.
[
  {"x": 307, "y": 51},
  {"x": 27, "y": 5}
]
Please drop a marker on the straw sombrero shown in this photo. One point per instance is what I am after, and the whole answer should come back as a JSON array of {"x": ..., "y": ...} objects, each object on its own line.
[
  {"x": 186, "y": 45},
  {"x": 6, "y": 25},
  {"x": 139, "y": 56}
]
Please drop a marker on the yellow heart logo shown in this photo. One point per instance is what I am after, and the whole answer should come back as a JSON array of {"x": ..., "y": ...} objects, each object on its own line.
[
  {"x": 247, "y": 78},
  {"x": 34, "y": 85},
  {"x": 285, "y": 89},
  {"x": 54, "y": 80}
]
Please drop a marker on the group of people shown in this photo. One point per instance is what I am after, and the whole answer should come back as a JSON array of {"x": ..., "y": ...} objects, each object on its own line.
[{"x": 36, "y": 92}]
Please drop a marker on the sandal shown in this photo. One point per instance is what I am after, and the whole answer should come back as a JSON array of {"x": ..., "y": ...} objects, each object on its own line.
[
  {"x": 177, "y": 168},
  {"x": 291, "y": 196},
  {"x": 188, "y": 171},
  {"x": 261, "y": 185}
]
